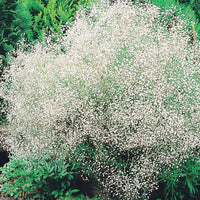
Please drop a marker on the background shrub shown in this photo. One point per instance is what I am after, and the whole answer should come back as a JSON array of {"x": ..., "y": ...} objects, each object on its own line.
[
  {"x": 124, "y": 94},
  {"x": 15, "y": 22},
  {"x": 50, "y": 15}
]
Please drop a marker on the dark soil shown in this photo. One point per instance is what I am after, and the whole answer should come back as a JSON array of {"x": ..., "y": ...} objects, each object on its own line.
[{"x": 3, "y": 157}]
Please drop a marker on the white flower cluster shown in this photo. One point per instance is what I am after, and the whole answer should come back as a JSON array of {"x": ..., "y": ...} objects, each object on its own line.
[{"x": 123, "y": 80}]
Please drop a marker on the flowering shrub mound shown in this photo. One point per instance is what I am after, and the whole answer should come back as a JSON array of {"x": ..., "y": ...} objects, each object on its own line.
[{"x": 120, "y": 93}]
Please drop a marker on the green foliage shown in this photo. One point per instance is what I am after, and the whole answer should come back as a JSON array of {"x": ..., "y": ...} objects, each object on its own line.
[
  {"x": 182, "y": 183},
  {"x": 49, "y": 16},
  {"x": 194, "y": 4},
  {"x": 45, "y": 178},
  {"x": 6, "y": 18},
  {"x": 15, "y": 22},
  {"x": 164, "y": 3},
  {"x": 23, "y": 21},
  {"x": 81, "y": 197}
]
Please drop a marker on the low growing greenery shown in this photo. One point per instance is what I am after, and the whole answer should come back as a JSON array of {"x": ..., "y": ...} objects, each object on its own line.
[
  {"x": 181, "y": 182},
  {"x": 53, "y": 179},
  {"x": 39, "y": 179}
]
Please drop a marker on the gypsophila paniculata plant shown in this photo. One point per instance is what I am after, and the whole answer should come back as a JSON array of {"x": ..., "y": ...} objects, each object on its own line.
[{"x": 124, "y": 84}]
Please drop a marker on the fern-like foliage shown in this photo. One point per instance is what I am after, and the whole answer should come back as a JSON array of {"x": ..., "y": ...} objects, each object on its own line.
[
  {"x": 182, "y": 183},
  {"x": 49, "y": 16},
  {"x": 6, "y": 18},
  {"x": 15, "y": 22}
]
